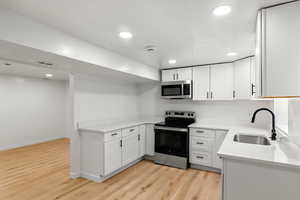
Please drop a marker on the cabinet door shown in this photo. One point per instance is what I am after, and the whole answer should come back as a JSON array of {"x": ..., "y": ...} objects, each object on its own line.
[
  {"x": 217, "y": 161},
  {"x": 184, "y": 74},
  {"x": 142, "y": 140},
  {"x": 242, "y": 75},
  {"x": 112, "y": 156},
  {"x": 150, "y": 139},
  {"x": 281, "y": 63},
  {"x": 201, "y": 86},
  {"x": 168, "y": 75},
  {"x": 130, "y": 148},
  {"x": 222, "y": 81}
]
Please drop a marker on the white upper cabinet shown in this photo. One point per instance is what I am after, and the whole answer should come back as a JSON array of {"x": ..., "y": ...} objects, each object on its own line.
[
  {"x": 279, "y": 61},
  {"x": 201, "y": 83},
  {"x": 168, "y": 75},
  {"x": 184, "y": 74},
  {"x": 242, "y": 79},
  {"x": 180, "y": 74},
  {"x": 221, "y": 81}
]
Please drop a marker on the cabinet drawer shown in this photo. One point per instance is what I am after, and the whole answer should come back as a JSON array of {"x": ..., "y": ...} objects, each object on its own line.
[
  {"x": 129, "y": 131},
  {"x": 199, "y": 143},
  {"x": 202, "y": 132},
  {"x": 112, "y": 135},
  {"x": 201, "y": 158}
]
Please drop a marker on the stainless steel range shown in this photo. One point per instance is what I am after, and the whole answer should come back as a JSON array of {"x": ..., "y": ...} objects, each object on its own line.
[{"x": 172, "y": 139}]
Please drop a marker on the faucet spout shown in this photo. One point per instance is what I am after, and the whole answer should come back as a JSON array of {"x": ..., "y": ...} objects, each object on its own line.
[{"x": 273, "y": 137}]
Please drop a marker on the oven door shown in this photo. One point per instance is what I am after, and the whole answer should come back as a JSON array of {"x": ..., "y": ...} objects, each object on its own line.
[{"x": 171, "y": 141}]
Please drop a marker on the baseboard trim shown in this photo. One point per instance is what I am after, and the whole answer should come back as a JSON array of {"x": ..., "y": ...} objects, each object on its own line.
[
  {"x": 100, "y": 179},
  {"x": 206, "y": 168},
  {"x": 24, "y": 144}
]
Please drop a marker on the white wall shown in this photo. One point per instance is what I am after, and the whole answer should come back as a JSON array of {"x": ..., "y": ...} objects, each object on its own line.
[
  {"x": 281, "y": 111},
  {"x": 31, "y": 111},
  {"x": 223, "y": 111},
  {"x": 102, "y": 99},
  {"x": 294, "y": 120}
]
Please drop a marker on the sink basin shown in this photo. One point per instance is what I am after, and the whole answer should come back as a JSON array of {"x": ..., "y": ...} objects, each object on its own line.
[{"x": 251, "y": 139}]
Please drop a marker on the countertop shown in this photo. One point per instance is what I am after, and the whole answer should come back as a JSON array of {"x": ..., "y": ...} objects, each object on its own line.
[
  {"x": 281, "y": 152},
  {"x": 111, "y": 125}
]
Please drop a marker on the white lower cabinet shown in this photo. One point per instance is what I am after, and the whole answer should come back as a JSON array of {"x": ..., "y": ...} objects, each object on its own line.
[
  {"x": 204, "y": 145},
  {"x": 150, "y": 137},
  {"x": 142, "y": 139},
  {"x": 112, "y": 156},
  {"x": 102, "y": 154},
  {"x": 130, "y": 148}
]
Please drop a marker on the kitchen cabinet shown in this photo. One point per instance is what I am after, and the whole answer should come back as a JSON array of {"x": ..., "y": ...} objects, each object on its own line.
[
  {"x": 204, "y": 145},
  {"x": 150, "y": 136},
  {"x": 242, "y": 79},
  {"x": 104, "y": 154},
  {"x": 221, "y": 81},
  {"x": 180, "y": 74},
  {"x": 201, "y": 83},
  {"x": 112, "y": 156},
  {"x": 142, "y": 140},
  {"x": 130, "y": 148},
  {"x": 220, "y": 136},
  {"x": 278, "y": 47}
]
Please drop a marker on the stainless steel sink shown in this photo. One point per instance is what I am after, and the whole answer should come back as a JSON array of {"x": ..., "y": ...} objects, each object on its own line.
[{"x": 251, "y": 139}]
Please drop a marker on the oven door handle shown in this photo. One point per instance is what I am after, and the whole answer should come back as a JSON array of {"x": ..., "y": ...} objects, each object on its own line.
[{"x": 185, "y": 130}]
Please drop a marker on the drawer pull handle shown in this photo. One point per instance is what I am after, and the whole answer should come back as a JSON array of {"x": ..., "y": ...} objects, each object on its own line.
[
  {"x": 200, "y": 131},
  {"x": 131, "y": 130},
  {"x": 114, "y": 134},
  {"x": 200, "y": 157},
  {"x": 200, "y": 143}
]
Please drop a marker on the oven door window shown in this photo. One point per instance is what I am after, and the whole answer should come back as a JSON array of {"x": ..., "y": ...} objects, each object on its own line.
[
  {"x": 171, "y": 90},
  {"x": 171, "y": 142}
]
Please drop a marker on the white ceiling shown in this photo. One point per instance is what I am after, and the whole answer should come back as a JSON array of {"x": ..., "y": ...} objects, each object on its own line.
[
  {"x": 24, "y": 62},
  {"x": 184, "y": 30}
]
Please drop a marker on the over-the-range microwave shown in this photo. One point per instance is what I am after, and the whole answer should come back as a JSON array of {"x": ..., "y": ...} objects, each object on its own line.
[{"x": 177, "y": 89}]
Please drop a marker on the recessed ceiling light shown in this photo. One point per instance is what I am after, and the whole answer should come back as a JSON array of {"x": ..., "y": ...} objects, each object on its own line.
[
  {"x": 49, "y": 75},
  {"x": 125, "y": 35},
  {"x": 222, "y": 10},
  {"x": 231, "y": 54},
  {"x": 172, "y": 61}
]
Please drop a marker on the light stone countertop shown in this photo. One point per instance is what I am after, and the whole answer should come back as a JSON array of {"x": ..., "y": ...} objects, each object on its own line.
[{"x": 107, "y": 126}]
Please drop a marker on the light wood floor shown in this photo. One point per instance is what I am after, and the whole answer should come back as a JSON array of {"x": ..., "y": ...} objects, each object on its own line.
[{"x": 41, "y": 172}]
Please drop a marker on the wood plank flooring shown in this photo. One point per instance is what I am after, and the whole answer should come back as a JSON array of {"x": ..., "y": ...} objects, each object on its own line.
[{"x": 41, "y": 172}]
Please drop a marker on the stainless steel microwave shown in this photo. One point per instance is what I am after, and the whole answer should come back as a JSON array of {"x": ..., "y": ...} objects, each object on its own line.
[{"x": 177, "y": 89}]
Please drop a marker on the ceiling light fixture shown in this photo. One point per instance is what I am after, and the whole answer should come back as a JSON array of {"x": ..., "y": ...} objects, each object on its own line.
[
  {"x": 222, "y": 10},
  {"x": 49, "y": 75},
  {"x": 125, "y": 35},
  {"x": 231, "y": 54},
  {"x": 172, "y": 61}
]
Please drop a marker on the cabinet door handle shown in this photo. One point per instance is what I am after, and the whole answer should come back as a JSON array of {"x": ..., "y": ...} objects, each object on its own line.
[
  {"x": 200, "y": 157},
  {"x": 139, "y": 137},
  {"x": 211, "y": 95},
  {"x": 121, "y": 143},
  {"x": 173, "y": 77},
  {"x": 177, "y": 76},
  {"x": 114, "y": 134},
  {"x": 207, "y": 95},
  {"x": 131, "y": 130},
  {"x": 200, "y": 143},
  {"x": 233, "y": 93},
  {"x": 200, "y": 131},
  {"x": 252, "y": 89}
]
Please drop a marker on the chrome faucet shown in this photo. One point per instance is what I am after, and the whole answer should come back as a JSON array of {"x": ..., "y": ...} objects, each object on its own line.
[{"x": 273, "y": 137}]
